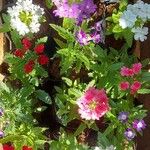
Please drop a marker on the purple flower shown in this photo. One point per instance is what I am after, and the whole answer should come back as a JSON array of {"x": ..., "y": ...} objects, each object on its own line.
[
  {"x": 82, "y": 37},
  {"x": 78, "y": 11},
  {"x": 139, "y": 125},
  {"x": 95, "y": 37},
  {"x": 1, "y": 134},
  {"x": 129, "y": 134},
  {"x": 123, "y": 116},
  {"x": 1, "y": 112},
  {"x": 98, "y": 26}
]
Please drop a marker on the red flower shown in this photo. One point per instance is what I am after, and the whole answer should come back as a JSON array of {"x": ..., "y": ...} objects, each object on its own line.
[
  {"x": 18, "y": 53},
  {"x": 26, "y": 148},
  {"x": 43, "y": 59},
  {"x": 29, "y": 66},
  {"x": 8, "y": 147},
  {"x": 39, "y": 48},
  {"x": 26, "y": 43}
]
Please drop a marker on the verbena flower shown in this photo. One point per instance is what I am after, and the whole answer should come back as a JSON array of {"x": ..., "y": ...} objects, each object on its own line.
[
  {"x": 124, "y": 85},
  {"x": 26, "y": 148},
  {"x": 126, "y": 72},
  {"x": 139, "y": 125},
  {"x": 8, "y": 147},
  {"x": 140, "y": 33},
  {"x": 129, "y": 134},
  {"x": 123, "y": 116},
  {"x": 93, "y": 104},
  {"x": 82, "y": 37},
  {"x": 128, "y": 19},
  {"x": 136, "y": 68},
  {"x": 39, "y": 48},
  {"x": 28, "y": 67},
  {"x": 43, "y": 59},
  {"x": 19, "y": 53},
  {"x": 78, "y": 11},
  {"x": 135, "y": 87},
  {"x": 26, "y": 43},
  {"x": 25, "y": 17}
]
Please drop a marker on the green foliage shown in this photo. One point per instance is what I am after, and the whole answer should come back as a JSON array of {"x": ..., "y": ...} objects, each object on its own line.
[{"x": 67, "y": 142}]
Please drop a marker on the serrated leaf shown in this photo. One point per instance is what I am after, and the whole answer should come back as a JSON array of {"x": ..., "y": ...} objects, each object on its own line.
[
  {"x": 42, "y": 40},
  {"x": 43, "y": 96},
  {"x": 67, "y": 81},
  {"x": 64, "y": 33},
  {"x": 144, "y": 91}
]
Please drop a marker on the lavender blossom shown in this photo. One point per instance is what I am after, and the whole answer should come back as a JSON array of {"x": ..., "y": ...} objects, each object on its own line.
[
  {"x": 82, "y": 37},
  {"x": 1, "y": 134},
  {"x": 123, "y": 116},
  {"x": 96, "y": 37},
  {"x": 139, "y": 125},
  {"x": 129, "y": 134}
]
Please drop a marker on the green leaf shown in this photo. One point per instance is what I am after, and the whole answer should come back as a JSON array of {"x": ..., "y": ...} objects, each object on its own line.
[
  {"x": 16, "y": 38},
  {"x": 81, "y": 128},
  {"x": 4, "y": 87},
  {"x": 68, "y": 23},
  {"x": 49, "y": 3},
  {"x": 43, "y": 96},
  {"x": 116, "y": 66},
  {"x": 60, "y": 43},
  {"x": 128, "y": 35},
  {"x": 75, "y": 92},
  {"x": 83, "y": 59},
  {"x": 144, "y": 91},
  {"x": 42, "y": 40},
  {"x": 117, "y": 28},
  {"x": 64, "y": 33},
  {"x": 67, "y": 81},
  {"x": 5, "y": 28}
]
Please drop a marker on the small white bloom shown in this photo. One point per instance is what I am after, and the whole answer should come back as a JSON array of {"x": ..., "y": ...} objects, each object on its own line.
[
  {"x": 140, "y": 33},
  {"x": 111, "y": 147},
  {"x": 127, "y": 19},
  {"x": 25, "y": 17}
]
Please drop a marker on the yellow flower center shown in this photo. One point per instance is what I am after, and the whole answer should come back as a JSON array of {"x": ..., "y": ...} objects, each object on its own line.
[
  {"x": 92, "y": 105},
  {"x": 26, "y": 17}
]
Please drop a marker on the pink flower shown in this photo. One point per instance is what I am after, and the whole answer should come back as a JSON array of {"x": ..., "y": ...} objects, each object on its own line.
[
  {"x": 126, "y": 72},
  {"x": 93, "y": 104},
  {"x": 124, "y": 85},
  {"x": 136, "y": 68},
  {"x": 135, "y": 87}
]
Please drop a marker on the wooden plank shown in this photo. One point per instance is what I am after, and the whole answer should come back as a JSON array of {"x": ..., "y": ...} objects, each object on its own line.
[{"x": 2, "y": 43}]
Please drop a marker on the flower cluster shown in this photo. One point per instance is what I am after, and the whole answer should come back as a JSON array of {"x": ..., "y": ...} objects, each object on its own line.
[
  {"x": 93, "y": 104},
  {"x": 38, "y": 49},
  {"x": 138, "y": 125},
  {"x": 96, "y": 35},
  {"x": 138, "y": 12},
  {"x": 130, "y": 72},
  {"x": 78, "y": 11},
  {"x": 25, "y": 17}
]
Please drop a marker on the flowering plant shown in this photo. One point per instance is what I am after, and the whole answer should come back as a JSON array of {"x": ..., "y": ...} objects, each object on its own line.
[{"x": 92, "y": 86}]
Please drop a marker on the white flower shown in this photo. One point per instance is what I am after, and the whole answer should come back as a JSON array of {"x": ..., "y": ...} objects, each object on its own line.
[
  {"x": 140, "y": 33},
  {"x": 127, "y": 19},
  {"x": 25, "y": 17}
]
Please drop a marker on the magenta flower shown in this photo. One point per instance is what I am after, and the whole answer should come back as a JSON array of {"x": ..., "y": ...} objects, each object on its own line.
[
  {"x": 93, "y": 104},
  {"x": 82, "y": 37},
  {"x": 126, "y": 72},
  {"x": 129, "y": 134},
  {"x": 136, "y": 68},
  {"x": 135, "y": 87},
  {"x": 123, "y": 116},
  {"x": 124, "y": 85},
  {"x": 95, "y": 37},
  {"x": 139, "y": 125}
]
